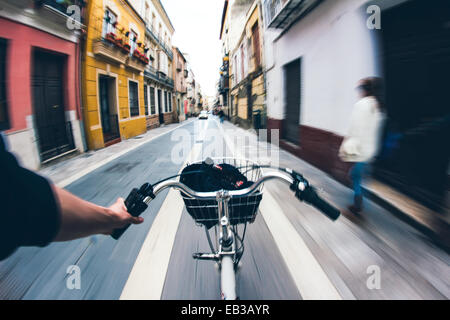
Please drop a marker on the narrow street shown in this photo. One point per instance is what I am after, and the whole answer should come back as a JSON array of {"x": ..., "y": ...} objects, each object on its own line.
[{"x": 278, "y": 252}]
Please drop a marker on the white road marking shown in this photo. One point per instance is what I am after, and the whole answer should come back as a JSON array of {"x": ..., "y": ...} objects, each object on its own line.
[
  {"x": 146, "y": 280},
  {"x": 309, "y": 277},
  {"x": 64, "y": 183}
]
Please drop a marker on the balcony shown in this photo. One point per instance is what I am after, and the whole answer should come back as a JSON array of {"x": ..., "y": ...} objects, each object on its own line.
[
  {"x": 160, "y": 77},
  {"x": 224, "y": 84},
  {"x": 54, "y": 10},
  {"x": 109, "y": 51},
  {"x": 135, "y": 63},
  {"x": 151, "y": 32},
  {"x": 282, "y": 13},
  {"x": 60, "y": 5}
]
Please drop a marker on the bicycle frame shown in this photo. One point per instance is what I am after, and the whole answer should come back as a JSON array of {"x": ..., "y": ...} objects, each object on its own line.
[{"x": 226, "y": 255}]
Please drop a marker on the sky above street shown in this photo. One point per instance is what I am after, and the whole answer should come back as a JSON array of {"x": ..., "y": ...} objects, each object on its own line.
[{"x": 197, "y": 27}]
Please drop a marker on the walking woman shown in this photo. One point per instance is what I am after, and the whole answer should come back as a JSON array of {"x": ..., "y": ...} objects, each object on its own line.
[{"x": 360, "y": 146}]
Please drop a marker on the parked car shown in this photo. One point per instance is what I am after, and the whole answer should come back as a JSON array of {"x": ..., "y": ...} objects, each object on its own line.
[{"x": 203, "y": 115}]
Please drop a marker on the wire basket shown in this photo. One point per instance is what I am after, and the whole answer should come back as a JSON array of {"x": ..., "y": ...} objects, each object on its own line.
[{"x": 242, "y": 209}]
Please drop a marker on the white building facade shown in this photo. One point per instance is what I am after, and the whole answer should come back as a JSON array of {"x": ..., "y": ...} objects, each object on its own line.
[
  {"x": 317, "y": 51},
  {"x": 159, "y": 85}
]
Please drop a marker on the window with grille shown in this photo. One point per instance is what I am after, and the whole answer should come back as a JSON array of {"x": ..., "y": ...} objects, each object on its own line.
[
  {"x": 170, "y": 102},
  {"x": 146, "y": 99},
  {"x": 4, "y": 121},
  {"x": 152, "y": 101},
  {"x": 134, "y": 98},
  {"x": 165, "y": 102}
]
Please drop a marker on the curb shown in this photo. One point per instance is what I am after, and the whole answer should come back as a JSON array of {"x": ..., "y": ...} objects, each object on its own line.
[{"x": 438, "y": 230}]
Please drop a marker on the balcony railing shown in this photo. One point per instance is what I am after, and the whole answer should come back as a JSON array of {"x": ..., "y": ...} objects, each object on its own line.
[
  {"x": 282, "y": 13},
  {"x": 160, "y": 77},
  {"x": 151, "y": 31},
  {"x": 60, "y": 7}
]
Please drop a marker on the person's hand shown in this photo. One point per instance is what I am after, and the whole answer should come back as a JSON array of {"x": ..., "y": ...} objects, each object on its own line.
[{"x": 120, "y": 216}]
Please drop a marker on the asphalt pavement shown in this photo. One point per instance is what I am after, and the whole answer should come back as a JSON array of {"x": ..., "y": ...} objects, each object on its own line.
[{"x": 340, "y": 256}]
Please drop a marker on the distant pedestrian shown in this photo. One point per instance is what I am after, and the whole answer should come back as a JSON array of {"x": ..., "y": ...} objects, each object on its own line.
[
  {"x": 221, "y": 116},
  {"x": 361, "y": 144}
]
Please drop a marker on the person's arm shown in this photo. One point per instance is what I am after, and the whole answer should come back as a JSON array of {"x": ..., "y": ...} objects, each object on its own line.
[
  {"x": 80, "y": 218},
  {"x": 34, "y": 212}
]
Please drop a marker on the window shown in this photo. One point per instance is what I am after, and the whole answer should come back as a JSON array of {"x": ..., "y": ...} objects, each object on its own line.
[
  {"x": 147, "y": 9},
  {"x": 165, "y": 102},
  {"x": 146, "y": 99},
  {"x": 4, "y": 121},
  {"x": 133, "y": 41},
  {"x": 109, "y": 22},
  {"x": 163, "y": 63},
  {"x": 235, "y": 70},
  {"x": 170, "y": 102},
  {"x": 134, "y": 98},
  {"x": 255, "y": 42},
  {"x": 152, "y": 101},
  {"x": 153, "y": 22}
]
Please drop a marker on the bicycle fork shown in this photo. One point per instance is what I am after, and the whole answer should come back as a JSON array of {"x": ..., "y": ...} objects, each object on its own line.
[{"x": 225, "y": 255}]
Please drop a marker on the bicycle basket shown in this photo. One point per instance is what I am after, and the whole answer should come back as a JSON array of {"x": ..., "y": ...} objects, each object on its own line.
[{"x": 239, "y": 174}]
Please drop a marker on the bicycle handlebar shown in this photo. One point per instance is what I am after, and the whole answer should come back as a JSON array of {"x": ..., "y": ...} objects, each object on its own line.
[{"x": 138, "y": 200}]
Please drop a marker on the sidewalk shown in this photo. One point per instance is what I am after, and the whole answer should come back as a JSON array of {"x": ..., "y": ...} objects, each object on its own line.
[
  {"x": 434, "y": 225},
  {"x": 67, "y": 171}
]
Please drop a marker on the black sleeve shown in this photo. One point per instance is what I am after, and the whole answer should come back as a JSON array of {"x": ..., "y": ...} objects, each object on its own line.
[{"x": 29, "y": 212}]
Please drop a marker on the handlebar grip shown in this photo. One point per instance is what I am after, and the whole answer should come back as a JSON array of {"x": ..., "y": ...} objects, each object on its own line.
[
  {"x": 135, "y": 207},
  {"x": 310, "y": 196}
]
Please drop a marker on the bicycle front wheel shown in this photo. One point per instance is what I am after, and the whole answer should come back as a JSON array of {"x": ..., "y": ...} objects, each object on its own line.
[{"x": 228, "y": 279}]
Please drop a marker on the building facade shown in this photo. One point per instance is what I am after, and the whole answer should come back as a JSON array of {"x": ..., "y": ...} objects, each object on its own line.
[
  {"x": 180, "y": 74},
  {"x": 191, "y": 89},
  {"x": 159, "y": 84},
  {"x": 113, "y": 66},
  {"x": 325, "y": 47},
  {"x": 242, "y": 81},
  {"x": 39, "y": 81}
]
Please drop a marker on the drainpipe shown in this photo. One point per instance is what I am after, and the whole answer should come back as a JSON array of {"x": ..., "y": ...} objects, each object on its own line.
[{"x": 80, "y": 106}]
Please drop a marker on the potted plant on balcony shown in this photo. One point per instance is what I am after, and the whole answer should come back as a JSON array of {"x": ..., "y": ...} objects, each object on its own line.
[
  {"x": 111, "y": 37},
  {"x": 137, "y": 54},
  {"x": 126, "y": 48},
  {"x": 119, "y": 43},
  {"x": 144, "y": 59}
]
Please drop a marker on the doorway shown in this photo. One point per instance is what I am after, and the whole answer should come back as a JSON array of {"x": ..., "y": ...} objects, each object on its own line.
[
  {"x": 415, "y": 153},
  {"x": 292, "y": 93},
  {"x": 54, "y": 133},
  {"x": 108, "y": 110}
]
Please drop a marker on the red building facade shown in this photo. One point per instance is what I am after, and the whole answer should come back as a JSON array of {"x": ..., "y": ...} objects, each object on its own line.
[{"x": 41, "y": 103}]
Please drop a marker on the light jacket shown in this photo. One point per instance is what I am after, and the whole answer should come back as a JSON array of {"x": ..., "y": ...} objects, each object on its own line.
[{"x": 363, "y": 138}]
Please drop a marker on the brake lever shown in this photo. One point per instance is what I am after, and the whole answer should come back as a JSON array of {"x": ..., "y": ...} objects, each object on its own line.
[{"x": 300, "y": 184}]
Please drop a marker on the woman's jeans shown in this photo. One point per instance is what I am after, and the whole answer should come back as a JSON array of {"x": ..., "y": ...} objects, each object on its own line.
[{"x": 356, "y": 174}]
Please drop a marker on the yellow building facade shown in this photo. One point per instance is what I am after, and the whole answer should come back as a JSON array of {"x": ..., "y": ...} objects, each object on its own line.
[{"x": 114, "y": 61}]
